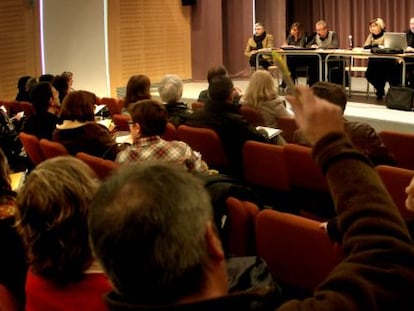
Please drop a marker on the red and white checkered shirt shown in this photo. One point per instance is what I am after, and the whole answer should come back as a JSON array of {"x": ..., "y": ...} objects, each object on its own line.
[{"x": 156, "y": 148}]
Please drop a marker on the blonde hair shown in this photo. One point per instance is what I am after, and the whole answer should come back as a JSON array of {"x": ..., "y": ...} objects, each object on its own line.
[
  {"x": 377, "y": 21},
  {"x": 261, "y": 89}
]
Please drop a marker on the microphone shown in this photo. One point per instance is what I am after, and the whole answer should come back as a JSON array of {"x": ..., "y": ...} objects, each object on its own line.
[{"x": 350, "y": 42}]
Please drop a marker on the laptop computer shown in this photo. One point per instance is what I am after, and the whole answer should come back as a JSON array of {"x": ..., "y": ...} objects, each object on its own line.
[{"x": 395, "y": 40}]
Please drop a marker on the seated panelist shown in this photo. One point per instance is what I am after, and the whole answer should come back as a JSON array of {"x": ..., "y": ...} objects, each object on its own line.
[{"x": 260, "y": 40}]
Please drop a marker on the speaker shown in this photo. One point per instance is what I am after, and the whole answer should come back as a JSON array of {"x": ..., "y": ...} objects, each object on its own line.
[{"x": 188, "y": 2}]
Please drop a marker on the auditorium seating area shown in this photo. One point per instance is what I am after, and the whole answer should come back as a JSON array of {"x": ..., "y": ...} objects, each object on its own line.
[{"x": 287, "y": 232}]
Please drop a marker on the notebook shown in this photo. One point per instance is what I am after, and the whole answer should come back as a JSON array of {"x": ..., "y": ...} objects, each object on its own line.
[{"x": 395, "y": 40}]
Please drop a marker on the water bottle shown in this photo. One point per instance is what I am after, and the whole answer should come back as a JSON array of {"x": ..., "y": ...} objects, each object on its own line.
[{"x": 350, "y": 42}]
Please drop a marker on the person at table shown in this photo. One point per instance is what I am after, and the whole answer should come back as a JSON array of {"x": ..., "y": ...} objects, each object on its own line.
[
  {"x": 323, "y": 39},
  {"x": 296, "y": 38},
  {"x": 410, "y": 49},
  {"x": 380, "y": 70},
  {"x": 259, "y": 40}
]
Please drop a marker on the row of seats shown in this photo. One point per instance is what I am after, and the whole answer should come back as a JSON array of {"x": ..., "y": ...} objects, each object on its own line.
[
  {"x": 40, "y": 150},
  {"x": 299, "y": 253},
  {"x": 287, "y": 174}
]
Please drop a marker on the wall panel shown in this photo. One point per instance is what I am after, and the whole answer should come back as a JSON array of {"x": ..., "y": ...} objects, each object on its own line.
[
  {"x": 19, "y": 53},
  {"x": 148, "y": 37}
]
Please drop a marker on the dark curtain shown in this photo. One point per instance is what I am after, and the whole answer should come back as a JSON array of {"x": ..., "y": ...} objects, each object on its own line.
[
  {"x": 351, "y": 17},
  {"x": 220, "y": 28}
]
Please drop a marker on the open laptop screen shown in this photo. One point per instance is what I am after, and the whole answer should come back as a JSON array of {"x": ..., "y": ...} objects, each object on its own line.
[{"x": 395, "y": 40}]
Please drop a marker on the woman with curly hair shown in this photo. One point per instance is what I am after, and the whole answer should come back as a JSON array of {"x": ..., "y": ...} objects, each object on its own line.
[{"x": 52, "y": 212}]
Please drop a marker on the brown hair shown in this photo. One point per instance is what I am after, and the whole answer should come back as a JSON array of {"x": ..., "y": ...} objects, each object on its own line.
[
  {"x": 216, "y": 71},
  {"x": 332, "y": 92},
  {"x": 138, "y": 88},
  {"x": 299, "y": 27},
  {"x": 79, "y": 106},
  {"x": 151, "y": 116}
]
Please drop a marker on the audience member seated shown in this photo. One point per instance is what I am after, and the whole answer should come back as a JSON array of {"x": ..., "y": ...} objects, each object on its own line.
[
  {"x": 261, "y": 94},
  {"x": 13, "y": 265},
  {"x": 22, "y": 94},
  {"x": 45, "y": 101},
  {"x": 182, "y": 266},
  {"x": 164, "y": 195},
  {"x": 149, "y": 121},
  {"x": 410, "y": 49},
  {"x": 138, "y": 88},
  {"x": 214, "y": 72},
  {"x": 69, "y": 77},
  {"x": 296, "y": 38},
  {"x": 362, "y": 135},
  {"x": 221, "y": 115},
  {"x": 323, "y": 39},
  {"x": 47, "y": 77},
  {"x": 60, "y": 83},
  {"x": 79, "y": 131},
  {"x": 30, "y": 84},
  {"x": 9, "y": 140},
  {"x": 380, "y": 70},
  {"x": 171, "y": 92},
  {"x": 53, "y": 206},
  {"x": 259, "y": 40}
]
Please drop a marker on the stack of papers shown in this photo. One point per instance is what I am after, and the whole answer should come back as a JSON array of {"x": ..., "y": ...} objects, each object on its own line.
[
  {"x": 124, "y": 139},
  {"x": 271, "y": 132}
]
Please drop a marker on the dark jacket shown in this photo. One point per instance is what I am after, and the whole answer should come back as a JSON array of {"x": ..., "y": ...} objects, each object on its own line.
[
  {"x": 178, "y": 113},
  {"x": 41, "y": 126},
  {"x": 410, "y": 38},
  {"x": 231, "y": 127}
]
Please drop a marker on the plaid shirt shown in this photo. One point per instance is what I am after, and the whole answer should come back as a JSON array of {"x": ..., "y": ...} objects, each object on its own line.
[{"x": 155, "y": 148}]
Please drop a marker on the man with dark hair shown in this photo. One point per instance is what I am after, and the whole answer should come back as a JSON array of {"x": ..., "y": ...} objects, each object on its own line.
[
  {"x": 363, "y": 136},
  {"x": 47, "y": 77},
  {"x": 45, "y": 100},
  {"x": 215, "y": 72},
  {"x": 151, "y": 228},
  {"x": 259, "y": 40},
  {"x": 221, "y": 115}
]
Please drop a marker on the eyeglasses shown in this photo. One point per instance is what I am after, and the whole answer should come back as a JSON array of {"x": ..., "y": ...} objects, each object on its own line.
[{"x": 130, "y": 122}]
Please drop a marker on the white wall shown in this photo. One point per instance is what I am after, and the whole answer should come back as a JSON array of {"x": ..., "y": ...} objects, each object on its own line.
[{"x": 74, "y": 40}]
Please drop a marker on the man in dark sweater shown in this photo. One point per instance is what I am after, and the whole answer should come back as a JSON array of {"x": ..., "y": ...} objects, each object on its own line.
[
  {"x": 151, "y": 228},
  {"x": 221, "y": 115}
]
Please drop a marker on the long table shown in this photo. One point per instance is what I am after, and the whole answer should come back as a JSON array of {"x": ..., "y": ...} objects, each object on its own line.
[{"x": 323, "y": 56}]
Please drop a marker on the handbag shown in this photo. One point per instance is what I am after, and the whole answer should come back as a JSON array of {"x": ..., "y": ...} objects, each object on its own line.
[{"x": 400, "y": 98}]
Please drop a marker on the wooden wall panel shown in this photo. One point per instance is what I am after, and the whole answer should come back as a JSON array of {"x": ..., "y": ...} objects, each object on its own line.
[
  {"x": 148, "y": 37},
  {"x": 20, "y": 48}
]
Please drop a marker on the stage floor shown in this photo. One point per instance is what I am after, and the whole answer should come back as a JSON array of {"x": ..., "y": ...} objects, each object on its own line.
[{"x": 359, "y": 107}]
